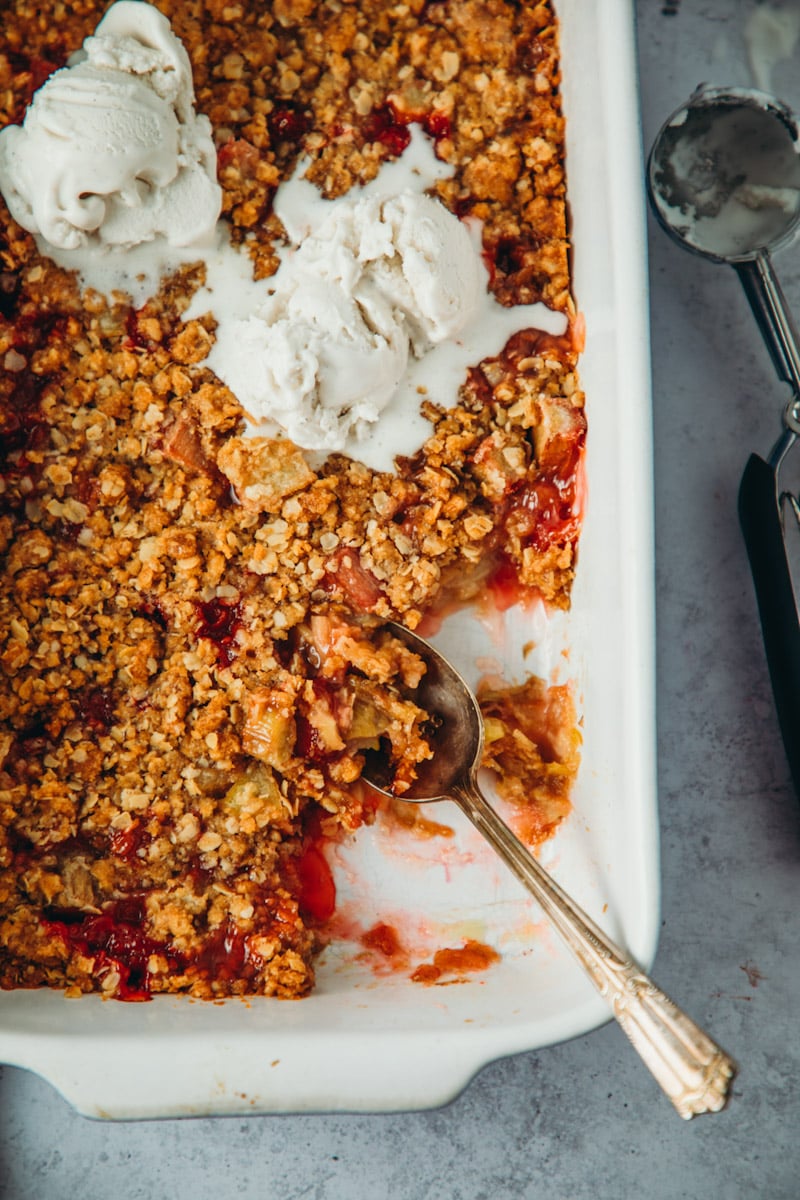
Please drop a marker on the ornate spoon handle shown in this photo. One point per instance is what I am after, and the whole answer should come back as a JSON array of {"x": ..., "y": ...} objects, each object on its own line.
[{"x": 691, "y": 1068}]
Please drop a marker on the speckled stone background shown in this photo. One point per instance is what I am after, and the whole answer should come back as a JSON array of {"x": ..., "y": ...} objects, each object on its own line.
[{"x": 584, "y": 1121}]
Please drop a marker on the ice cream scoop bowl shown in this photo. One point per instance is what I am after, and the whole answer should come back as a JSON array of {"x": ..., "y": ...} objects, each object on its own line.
[
  {"x": 723, "y": 179},
  {"x": 691, "y": 1068}
]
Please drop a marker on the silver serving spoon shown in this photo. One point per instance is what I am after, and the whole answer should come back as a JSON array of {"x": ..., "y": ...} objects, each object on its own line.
[
  {"x": 724, "y": 181},
  {"x": 692, "y": 1069}
]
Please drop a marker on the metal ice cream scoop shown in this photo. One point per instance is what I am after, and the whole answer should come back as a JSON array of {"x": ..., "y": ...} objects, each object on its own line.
[
  {"x": 724, "y": 181},
  {"x": 692, "y": 1069}
]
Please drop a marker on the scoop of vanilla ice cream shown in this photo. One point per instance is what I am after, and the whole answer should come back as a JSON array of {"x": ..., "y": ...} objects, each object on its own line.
[
  {"x": 412, "y": 250},
  {"x": 111, "y": 152},
  {"x": 434, "y": 275},
  {"x": 310, "y": 362},
  {"x": 379, "y": 278}
]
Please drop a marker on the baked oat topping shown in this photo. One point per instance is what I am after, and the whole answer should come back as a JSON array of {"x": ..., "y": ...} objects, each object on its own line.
[{"x": 191, "y": 654}]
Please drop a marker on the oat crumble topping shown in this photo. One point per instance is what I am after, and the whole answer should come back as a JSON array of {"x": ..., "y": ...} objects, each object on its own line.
[{"x": 191, "y": 660}]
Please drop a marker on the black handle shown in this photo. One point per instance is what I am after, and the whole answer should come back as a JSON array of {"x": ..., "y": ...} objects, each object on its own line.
[{"x": 760, "y": 519}]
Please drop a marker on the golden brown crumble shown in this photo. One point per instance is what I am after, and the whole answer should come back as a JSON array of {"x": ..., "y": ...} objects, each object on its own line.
[{"x": 190, "y": 664}]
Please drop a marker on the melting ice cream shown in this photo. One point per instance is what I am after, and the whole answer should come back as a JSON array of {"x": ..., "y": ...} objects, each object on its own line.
[
  {"x": 326, "y": 349},
  {"x": 381, "y": 297},
  {"x": 111, "y": 152}
]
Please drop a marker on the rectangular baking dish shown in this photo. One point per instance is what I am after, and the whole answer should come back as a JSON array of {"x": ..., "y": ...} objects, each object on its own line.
[{"x": 370, "y": 1042}]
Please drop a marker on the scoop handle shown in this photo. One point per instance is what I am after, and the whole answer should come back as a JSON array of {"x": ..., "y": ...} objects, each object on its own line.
[
  {"x": 691, "y": 1068},
  {"x": 760, "y": 519},
  {"x": 772, "y": 315}
]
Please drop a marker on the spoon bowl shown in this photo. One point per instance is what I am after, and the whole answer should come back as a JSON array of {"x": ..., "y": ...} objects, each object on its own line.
[
  {"x": 455, "y": 733},
  {"x": 692, "y": 1069}
]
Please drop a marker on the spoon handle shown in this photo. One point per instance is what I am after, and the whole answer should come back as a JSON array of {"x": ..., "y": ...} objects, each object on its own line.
[{"x": 692, "y": 1069}]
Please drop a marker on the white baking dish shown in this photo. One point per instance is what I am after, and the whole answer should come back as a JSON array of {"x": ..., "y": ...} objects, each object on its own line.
[{"x": 369, "y": 1042}]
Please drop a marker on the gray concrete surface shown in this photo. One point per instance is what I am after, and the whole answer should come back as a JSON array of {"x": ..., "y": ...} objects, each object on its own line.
[{"x": 584, "y": 1120}]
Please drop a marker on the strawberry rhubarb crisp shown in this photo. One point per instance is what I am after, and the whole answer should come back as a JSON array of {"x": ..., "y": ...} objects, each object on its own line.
[{"x": 202, "y": 534}]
